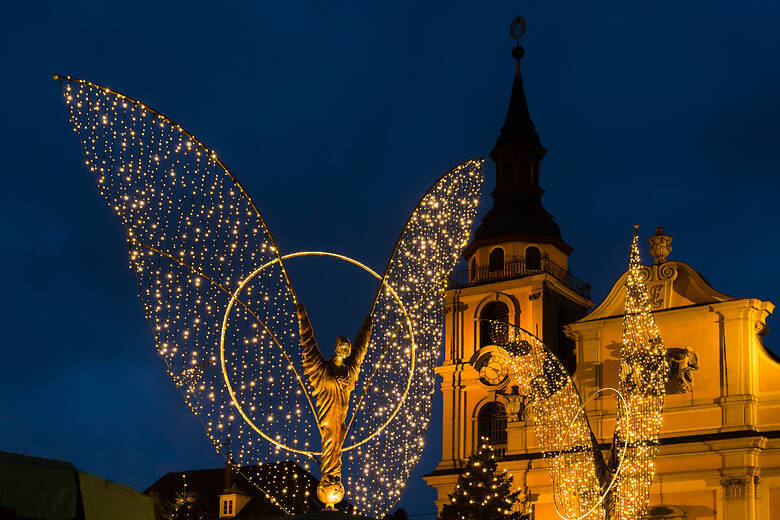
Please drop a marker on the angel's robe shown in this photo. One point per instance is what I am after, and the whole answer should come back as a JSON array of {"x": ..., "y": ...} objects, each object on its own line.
[{"x": 331, "y": 387}]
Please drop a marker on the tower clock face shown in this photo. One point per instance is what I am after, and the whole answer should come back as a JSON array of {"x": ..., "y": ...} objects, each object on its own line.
[{"x": 493, "y": 371}]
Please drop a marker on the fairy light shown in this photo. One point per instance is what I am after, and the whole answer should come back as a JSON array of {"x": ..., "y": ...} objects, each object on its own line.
[
  {"x": 481, "y": 490},
  {"x": 426, "y": 252},
  {"x": 584, "y": 485},
  {"x": 560, "y": 426},
  {"x": 195, "y": 237},
  {"x": 643, "y": 374}
]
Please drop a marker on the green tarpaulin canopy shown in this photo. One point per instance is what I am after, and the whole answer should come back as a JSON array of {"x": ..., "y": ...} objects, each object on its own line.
[{"x": 43, "y": 489}]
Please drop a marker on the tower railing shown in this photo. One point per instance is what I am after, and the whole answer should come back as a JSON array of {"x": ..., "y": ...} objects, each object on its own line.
[{"x": 517, "y": 267}]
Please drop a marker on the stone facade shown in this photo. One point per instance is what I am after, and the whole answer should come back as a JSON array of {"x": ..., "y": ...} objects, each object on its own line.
[{"x": 720, "y": 455}]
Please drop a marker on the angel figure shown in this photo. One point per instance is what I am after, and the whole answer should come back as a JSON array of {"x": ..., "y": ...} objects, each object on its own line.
[
  {"x": 223, "y": 312},
  {"x": 332, "y": 383}
]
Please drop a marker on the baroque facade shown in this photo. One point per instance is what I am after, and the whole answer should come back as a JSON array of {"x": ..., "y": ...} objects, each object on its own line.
[{"x": 720, "y": 443}]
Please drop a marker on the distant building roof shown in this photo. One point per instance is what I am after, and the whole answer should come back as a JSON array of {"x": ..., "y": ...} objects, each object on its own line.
[{"x": 278, "y": 480}]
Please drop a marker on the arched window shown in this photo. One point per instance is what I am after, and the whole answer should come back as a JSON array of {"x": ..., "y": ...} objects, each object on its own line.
[
  {"x": 490, "y": 332},
  {"x": 533, "y": 259},
  {"x": 491, "y": 423},
  {"x": 496, "y": 262},
  {"x": 473, "y": 269}
]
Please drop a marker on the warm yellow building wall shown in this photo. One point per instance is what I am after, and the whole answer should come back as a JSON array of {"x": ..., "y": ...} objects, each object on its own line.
[{"x": 720, "y": 453}]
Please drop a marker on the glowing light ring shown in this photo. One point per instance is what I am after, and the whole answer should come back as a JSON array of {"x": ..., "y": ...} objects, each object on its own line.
[
  {"x": 620, "y": 464},
  {"x": 576, "y": 416},
  {"x": 234, "y": 297}
]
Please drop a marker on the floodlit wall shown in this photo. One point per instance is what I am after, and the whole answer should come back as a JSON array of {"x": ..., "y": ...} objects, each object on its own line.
[{"x": 720, "y": 454}]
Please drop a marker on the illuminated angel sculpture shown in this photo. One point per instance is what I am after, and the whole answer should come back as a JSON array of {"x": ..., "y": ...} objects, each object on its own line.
[
  {"x": 586, "y": 484},
  {"x": 225, "y": 318},
  {"x": 332, "y": 383}
]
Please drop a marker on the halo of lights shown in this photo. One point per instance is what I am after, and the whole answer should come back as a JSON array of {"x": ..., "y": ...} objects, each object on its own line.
[
  {"x": 234, "y": 298},
  {"x": 194, "y": 234}
]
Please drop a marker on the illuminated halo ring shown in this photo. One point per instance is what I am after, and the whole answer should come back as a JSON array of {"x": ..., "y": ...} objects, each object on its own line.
[
  {"x": 620, "y": 464},
  {"x": 234, "y": 297}
]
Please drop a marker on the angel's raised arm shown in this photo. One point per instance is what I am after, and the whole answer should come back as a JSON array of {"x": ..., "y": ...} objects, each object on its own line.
[
  {"x": 313, "y": 362},
  {"x": 359, "y": 348}
]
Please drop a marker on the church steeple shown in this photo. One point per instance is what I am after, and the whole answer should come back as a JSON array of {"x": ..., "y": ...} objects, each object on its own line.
[
  {"x": 518, "y": 127},
  {"x": 517, "y": 212}
]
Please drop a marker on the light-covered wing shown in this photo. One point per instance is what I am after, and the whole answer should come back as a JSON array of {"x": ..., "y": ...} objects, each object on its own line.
[
  {"x": 643, "y": 375},
  {"x": 210, "y": 277},
  {"x": 560, "y": 424},
  {"x": 392, "y": 398}
]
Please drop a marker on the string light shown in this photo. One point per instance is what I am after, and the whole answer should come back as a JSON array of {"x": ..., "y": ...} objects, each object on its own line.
[
  {"x": 195, "y": 236},
  {"x": 585, "y": 486},
  {"x": 643, "y": 374},
  {"x": 561, "y": 430},
  {"x": 481, "y": 490}
]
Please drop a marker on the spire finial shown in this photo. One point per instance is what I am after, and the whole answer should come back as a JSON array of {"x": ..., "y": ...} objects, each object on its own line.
[{"x": 517, "y": 30}]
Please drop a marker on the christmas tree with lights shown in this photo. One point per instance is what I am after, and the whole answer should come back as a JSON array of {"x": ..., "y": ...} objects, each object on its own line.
[{"x": 482, "y": 491}]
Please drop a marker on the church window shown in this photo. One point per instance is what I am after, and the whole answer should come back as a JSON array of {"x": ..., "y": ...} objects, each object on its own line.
[
  {"x": 491, "y": 423},
  {"x": 492, "y": 314},
  {"x": 496, "y": 261},
  {"x": 533, "y": 259},
  {"x": 473, "y": 269}
]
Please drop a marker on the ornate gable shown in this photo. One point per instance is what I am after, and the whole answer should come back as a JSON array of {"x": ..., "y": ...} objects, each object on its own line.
[{"x": 670, "y": 284}]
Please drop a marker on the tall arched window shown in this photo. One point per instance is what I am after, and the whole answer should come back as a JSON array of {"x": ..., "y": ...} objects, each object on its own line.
[
  {"x": 473, "y": 269},
  {"x": 533, "y": 259},
  {"x": 496, "y": 262},
  {"x": 491, "y": 423},
  {"x": 490, "y": 333}
]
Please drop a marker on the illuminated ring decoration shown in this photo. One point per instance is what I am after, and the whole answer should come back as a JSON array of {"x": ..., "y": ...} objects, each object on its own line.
[
  {"x": 622, "y": 457},
  {"x": 579, "y": 412},
  {"x": 234, "y": 297}
]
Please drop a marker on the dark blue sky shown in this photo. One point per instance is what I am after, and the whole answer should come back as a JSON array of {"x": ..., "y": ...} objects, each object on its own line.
[{"x": 337, "y": 118}]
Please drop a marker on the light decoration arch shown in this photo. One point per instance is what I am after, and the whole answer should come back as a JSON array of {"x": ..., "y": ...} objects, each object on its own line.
[{"x": 226, "y": 376}]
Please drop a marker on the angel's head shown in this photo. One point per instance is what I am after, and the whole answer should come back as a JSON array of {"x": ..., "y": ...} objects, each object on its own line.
[{"x": 343, "y": 347}]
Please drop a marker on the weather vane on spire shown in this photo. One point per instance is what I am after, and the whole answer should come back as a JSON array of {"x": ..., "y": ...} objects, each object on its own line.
[{"x": 517, "y": 30}]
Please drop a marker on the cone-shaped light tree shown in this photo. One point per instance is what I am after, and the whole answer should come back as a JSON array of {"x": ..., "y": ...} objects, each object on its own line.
[{"x": 483, "y": 491}]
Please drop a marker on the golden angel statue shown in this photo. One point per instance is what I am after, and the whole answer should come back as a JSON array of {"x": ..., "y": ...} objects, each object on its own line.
[
  {"x": 225, "y": 318},
  {"x": 332, "y": 383}
]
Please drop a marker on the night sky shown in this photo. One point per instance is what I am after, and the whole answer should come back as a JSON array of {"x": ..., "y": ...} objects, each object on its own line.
[{"x": 337, "y": 118}]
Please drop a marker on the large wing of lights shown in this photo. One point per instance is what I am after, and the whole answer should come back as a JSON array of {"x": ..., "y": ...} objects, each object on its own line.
[
  {"x": 642, "y": 376},
  {"x": 560, "y": 423},
  {"x": 391, "y": 404},
  {"x": 210, "y": 280}
]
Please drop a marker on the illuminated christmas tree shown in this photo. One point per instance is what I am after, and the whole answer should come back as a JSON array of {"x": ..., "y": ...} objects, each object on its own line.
[
  {"x": 482, "y": 492},
  {"x": 186, "y": 505}
]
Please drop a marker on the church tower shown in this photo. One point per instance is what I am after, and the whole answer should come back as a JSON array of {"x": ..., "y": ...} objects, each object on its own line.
[{"x": 517, "y": 271}]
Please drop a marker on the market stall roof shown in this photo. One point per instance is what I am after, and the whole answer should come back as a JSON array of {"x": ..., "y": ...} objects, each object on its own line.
[{"x": 46, "y": 489}]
